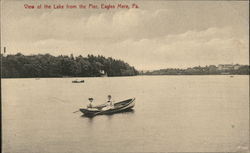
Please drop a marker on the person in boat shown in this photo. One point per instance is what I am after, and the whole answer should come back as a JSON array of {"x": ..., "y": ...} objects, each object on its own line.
[
  {"x": 90, "y": 103},
  {"x": 109, "y": 103}
]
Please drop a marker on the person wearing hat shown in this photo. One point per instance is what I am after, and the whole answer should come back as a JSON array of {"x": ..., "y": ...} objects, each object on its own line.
[{"x": 90, "y": 103}]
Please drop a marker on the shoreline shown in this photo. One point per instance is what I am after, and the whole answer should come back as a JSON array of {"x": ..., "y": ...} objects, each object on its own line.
[{"x": 130, "y": 76}]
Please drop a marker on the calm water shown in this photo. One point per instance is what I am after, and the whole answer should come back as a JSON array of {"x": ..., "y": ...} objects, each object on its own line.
[{"x": 172, "y": 113}]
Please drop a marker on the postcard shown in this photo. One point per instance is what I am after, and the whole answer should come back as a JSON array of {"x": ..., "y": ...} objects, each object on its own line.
[{"x": 124, "y": 76}]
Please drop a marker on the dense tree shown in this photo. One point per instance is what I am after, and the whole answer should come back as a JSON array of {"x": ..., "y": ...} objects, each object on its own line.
[{"x": 46, "y": 65}]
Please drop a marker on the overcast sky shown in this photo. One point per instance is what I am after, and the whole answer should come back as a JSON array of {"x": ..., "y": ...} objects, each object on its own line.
[{"x": 159, "y": 34}]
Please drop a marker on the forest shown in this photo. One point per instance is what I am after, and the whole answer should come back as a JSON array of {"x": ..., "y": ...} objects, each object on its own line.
[
  {"x": 199, "y": 70},
  {"x": 46, "y": 65}
]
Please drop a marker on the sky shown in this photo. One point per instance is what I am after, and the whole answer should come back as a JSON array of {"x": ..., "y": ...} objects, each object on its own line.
[{"x": 158, "y": 34}]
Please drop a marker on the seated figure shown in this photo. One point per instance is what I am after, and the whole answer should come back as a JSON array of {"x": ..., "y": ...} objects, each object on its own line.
[
  {"x": 109, "y": 104},
  {"x": 90, "y": 103}
]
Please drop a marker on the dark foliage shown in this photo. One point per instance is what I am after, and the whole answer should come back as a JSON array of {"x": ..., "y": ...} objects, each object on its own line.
[
  {"x": 46, "y": 65},
  {"x": 207, "y": 70}
]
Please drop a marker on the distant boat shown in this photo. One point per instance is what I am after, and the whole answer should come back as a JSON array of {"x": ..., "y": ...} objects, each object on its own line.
[
  {"x": 121, "y": 106},
  {"x": 78, "y": 81}
]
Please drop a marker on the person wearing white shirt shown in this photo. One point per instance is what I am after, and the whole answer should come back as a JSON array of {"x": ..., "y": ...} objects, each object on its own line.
[{"x": 109, "y": 104}]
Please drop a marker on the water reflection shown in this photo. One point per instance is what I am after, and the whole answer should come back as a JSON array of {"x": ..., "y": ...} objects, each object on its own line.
[{"x": 106, "y": 119}]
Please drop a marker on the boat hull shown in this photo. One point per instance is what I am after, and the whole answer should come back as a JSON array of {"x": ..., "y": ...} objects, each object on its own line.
[{"x": 118, "y": 107}]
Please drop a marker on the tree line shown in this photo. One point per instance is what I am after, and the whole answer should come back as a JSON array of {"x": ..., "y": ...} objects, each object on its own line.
[
  {"x": 198, "y": 70},
  {"x": 46, "y": 65}
]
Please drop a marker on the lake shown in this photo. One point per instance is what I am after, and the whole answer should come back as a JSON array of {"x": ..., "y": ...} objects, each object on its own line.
[{"x": 171, "y": 114}]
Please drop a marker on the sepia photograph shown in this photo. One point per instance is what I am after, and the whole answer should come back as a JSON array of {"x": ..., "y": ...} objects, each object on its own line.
[{"x": 82, "y": 76}]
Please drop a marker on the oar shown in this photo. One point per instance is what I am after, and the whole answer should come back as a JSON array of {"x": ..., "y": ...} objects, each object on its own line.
[{"x": 76, "y": 111}]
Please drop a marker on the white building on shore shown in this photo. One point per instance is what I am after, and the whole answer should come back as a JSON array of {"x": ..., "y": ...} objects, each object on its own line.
[{"x": 228, "y": 67}]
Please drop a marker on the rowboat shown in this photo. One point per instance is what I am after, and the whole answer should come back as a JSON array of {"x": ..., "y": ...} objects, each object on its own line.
[
  {"x": 103, "y": 109},
  {"x": 78, "y": 81}
]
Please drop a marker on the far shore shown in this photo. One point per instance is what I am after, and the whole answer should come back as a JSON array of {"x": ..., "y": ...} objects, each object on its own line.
[{"x": 128, "y": 76}]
